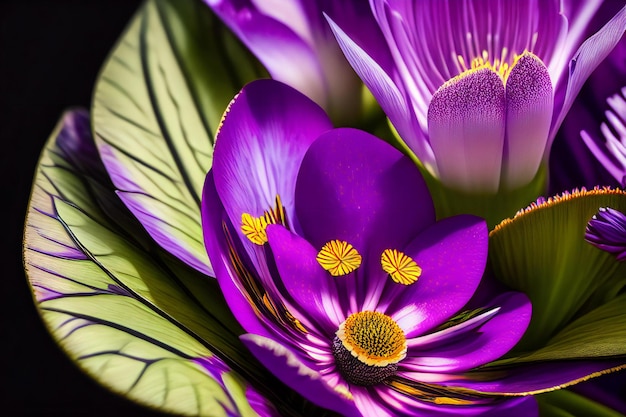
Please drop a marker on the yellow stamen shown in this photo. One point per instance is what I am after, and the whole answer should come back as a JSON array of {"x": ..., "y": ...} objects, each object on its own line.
[
  {"x": 499, "y": 65},
  {"x": 254, "y": 227},
  {"x": 373, "y": 338},
  {"x": 339, "y": 258},
  {"x": 401, "y": 268}
]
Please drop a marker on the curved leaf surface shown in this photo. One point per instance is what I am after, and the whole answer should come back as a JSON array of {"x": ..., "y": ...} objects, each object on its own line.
[
  {"x": 132, "y": 316},
  {"x": 157, "y": 104},
  {"x": 576, "y": 289}
]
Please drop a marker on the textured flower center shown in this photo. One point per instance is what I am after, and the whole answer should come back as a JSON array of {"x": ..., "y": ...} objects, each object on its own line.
[{"x": 368, "y": 347}]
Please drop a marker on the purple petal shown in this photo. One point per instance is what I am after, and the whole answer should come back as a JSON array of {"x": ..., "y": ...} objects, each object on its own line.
[
  {"x": 213, "y": 222},
  {"x": 259, "y": 148},
  {"x": 262, "y": 28},
  {"x": 171, "y": 237},
  {"x": 533, "y": 378},
  {"x": 450, "y": 333},
  {"x": 466, "y": 122},
  {"x": 607, "y": 231},
  {"x": 353, "y": 186},
  {"x": 529, "y": 103},
  {"x": 427, "y": 37},
  {"x": 612, "y": 153},
  {"x": 311, "y": 287},
  {"x": 388, "y": 94},
  {"x": 472, "y": 348},
  {"x": 452, "y": 254},
  {"x": 288, "y": 367},
  {"x": 587, "y": 58},
  {"x": 72, "y": 141}
]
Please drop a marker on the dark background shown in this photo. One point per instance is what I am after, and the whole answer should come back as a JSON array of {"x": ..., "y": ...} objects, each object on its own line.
[{"x": 50, "y": 54}]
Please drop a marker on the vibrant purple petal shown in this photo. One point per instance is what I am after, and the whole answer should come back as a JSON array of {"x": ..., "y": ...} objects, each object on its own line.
[
  {"x": 72, "y": 141},
  {"x": 213, "y": 223},
  {"x": 533, "y": 378},
  {"x": 294, "y": 62},
  {"x": 387, "y": 93},
  {"x": 311, "y": 287},
  {"x": 427, "y": 37},
  {"x": 353, "y": 186},
  {"x": 265, "y": 133},
  {"x": 473, "y": 348},
  {"x": 529, "y": 103},
  {"x": 612, "y": 153},
  {"x": 288, "y": 367},
  {"x": 259, "y": 148},
  {"x": 578, "y": 20},
  {"x": 607, "y": 231},
  {"x": 452, "y": 254},
  {"x": 308, "y": 57},
  {"x": 587, "y": 58},
  {"x": 450, "y": 333},
  {"x": 466, "y": 126}
]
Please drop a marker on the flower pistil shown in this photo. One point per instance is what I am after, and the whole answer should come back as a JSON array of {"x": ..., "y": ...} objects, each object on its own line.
[{"x": 368, "y": 347}]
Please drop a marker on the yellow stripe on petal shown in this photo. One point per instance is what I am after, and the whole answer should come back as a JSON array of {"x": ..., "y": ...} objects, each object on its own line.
[
  {"x": 339, "y": 258},
  {"x": 401, "y": 268}
]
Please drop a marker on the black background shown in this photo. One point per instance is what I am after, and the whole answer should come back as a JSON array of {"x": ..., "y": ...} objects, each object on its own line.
[{"x": 50, "y": 54}]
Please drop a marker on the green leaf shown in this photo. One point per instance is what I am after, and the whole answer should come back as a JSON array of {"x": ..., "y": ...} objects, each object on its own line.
[
  {"x": 574, "y": 287},
  {"x": 157, "y": 105},
  {"x": 131, "y": 316}
]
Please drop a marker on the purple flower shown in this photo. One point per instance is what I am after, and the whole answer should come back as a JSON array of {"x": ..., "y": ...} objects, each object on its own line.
[
  {"x": 607, "y": 231},
  {"x": 294, "y": 42},
  {"x": 325, "y": 245},
  {"x": 478, "y": 89},
  {"x": 612, "y": 151}
]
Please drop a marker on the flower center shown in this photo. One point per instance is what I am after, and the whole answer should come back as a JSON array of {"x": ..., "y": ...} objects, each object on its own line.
[{"x": 368, "y": 347}]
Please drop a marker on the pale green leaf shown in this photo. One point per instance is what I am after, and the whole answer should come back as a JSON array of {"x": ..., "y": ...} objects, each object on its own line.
[
  {"x": 157, "y": 105},
  {"x": 134, "y": 318}
]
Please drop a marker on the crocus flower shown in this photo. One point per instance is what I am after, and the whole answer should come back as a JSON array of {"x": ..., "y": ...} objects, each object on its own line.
[
  {"x": 294, "y": 42},
  {"x": 325, "y": 245},
  {"x": 612, "y": 151},
  {"x": 607, "y": 231},
  {"x": 478, "y": 89}
]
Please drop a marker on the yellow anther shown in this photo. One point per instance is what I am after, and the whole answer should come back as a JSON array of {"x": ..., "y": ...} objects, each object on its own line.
[
  {"x": 499, "y": 65},
  {"x": 401, "y": 268},
  {"x": 254, "y": 227},
  {"x": 339, "y": 258}
]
